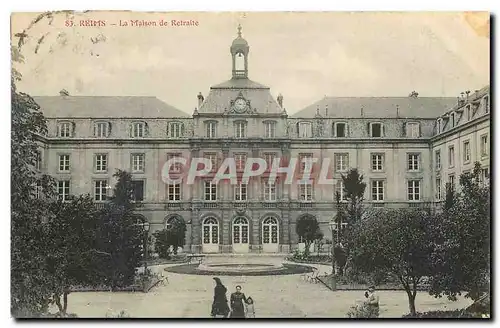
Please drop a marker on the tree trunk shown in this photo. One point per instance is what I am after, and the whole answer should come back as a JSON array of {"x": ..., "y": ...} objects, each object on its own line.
[
  {"x": 411, "y": 301},
  {"x": 58, "y": 303},
  {"x": 65, "y": 301}
]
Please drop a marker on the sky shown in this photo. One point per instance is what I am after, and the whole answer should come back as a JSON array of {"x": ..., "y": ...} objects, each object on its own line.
[{"x": 303, "y": 56}]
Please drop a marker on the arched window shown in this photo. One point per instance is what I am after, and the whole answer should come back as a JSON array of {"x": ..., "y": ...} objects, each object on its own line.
[{"x": 171, "y": 220}]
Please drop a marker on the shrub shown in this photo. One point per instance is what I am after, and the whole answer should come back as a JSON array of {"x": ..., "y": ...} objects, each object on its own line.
[
  {"x": 442, "y": 314},
  {"x": 361, "y": 312}
]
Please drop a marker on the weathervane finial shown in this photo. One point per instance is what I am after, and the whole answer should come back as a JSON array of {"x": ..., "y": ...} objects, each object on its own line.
[{"x": 239, "y": 30}]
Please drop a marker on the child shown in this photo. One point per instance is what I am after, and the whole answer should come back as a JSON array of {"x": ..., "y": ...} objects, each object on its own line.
[{"x": 250, "y": 308}]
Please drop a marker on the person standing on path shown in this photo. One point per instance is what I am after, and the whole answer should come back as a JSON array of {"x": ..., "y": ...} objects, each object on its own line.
[
  {"x": 373, "y": 303},
  {"x": 238, "y": 300},
  {"x": 250, "y": 311},
  {"x": 219, "y": 306}
]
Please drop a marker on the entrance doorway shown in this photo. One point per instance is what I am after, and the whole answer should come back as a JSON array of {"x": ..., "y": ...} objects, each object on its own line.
[
  {"x": 270, "y": 235},
  {"x": 210, "y": 235},
  {"x": 240, "y": 235}
]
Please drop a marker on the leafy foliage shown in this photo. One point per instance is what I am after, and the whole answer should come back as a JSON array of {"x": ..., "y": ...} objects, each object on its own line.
[
  {"x": 170, "y": 239},
  {"x": 162, "y": 247},
  {"x": 307, "y": 228},
  {"x": 354, "y": 188},
  {"x": 30, "y": 291},
  {"x": 396, "y": 241},
  {"x": 120, "y": 235},
  {"x": 462, "y": 257}
]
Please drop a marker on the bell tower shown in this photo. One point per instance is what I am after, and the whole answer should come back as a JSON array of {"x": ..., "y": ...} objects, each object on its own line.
[{"x": 239, "y": 54}]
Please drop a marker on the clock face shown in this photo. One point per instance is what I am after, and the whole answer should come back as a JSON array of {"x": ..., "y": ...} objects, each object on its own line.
[{"x": 240, "y": 104}]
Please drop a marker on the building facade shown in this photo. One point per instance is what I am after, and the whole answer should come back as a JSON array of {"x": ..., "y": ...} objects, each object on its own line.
[{"x": 407, "y": 148}]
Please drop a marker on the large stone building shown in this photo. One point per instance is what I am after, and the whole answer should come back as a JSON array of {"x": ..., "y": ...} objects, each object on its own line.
[{"x": 407, "y": 148}]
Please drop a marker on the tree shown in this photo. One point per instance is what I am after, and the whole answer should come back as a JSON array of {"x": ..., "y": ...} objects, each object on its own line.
[
  {"x": 307, "y": 228},
  {"x": 339, "y": 252},
  {"x": 70, "y": 236},
  {"x": 395, "y": 241},
  {"x": 354, "y": 189},
  {"x": 31, "y": 192},
  {"x": 162, "y": 246},
  {"x": 461, "y": 261},
  {"x": 450, "y": 197},
  {"x": 120, "y": 234},
  {"x": 176, "y": 234}
]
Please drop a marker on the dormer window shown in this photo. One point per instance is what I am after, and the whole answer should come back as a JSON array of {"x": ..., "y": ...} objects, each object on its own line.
[
  {"x": 468, "y": 112},
  {"x": 486, "y": 104},
  {"x": 138, "y": 130},
  {"x": 240, "y": 129},
  {"x": 65, "y": 129},
  {"x": 376, "y": 130},
  {"x": 340, "y": 129},
  {"x": 452, "y": 119},
  {"x": 102, "y": 129},
  {"x": 175, "y": 129},
  {"x": 439, "y": 125},
  {"x": 412, "y": 129},
  {"x": 211, "y": 128},
  {"x": 304, "y": 129}
]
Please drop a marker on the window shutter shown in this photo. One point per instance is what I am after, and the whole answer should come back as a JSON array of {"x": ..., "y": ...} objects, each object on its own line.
[
  {"x": 347, "y": 130},
  {"x": 334, "y": 134},
  {"x": 419, "y": 130},
  {"x": 131, "y": 130},
  {"x": 109, "y": 128},
  {"x": 168, "y": 130},
  {"x": 405, "y": 131},
  {"x": 58, "y": 129},
  {"x": 95, "y": 129},
  {"x": 368, "y": 129},
  {"x": 146, "y": 129},
  {"x": 182, "y": 129},
  {"x": 298, "y": 129},
  {"x": 382, "y": 130},
  {"x": 73, "y": 127}
]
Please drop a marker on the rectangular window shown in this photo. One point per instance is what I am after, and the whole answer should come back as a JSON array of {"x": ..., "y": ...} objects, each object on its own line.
[
  {"x": 38, "y": 190},
  {"x": 65, "y": 129},
  {"x": 485, "y": 175},
  {"x": 377, "y": 162},
  {"x": 269, "y": 191},
  {"x": 240, "y": 160},
  {"x": 240, "y": 130},
  {"x": 451, "y": 180},
  {"x": 138, "y": 190},
  {"x": 484, "y": 145},
  {"x": 138, "y": 130},
  {"x": 101, "y": 163},
  {"x": 137, "y": 163},
  {"x": 212, "y": 157},
  {"x": 413, "y": 162},
  {"x": 377, "y": 190},
  {"x": 63, "y": 190},
  {"x": 100, "y": 190},
  {"x": 175, "y": 167},
  {"x": 439, "y": 195},
  {"x": 176, "y": 129},
  {"x": 211, "y": 129},
  {"x": 210, "y": 191},
  {"x": 305, "y": 130},
  {"x": 412, "y": 130},
  {"x": 305, "y": 161},
  {"x": 305, "y": 192},
  {"x": 376, "y": 130},
  {"x": 466, "y": 151},
  {"x": 240, "y": 192},
  {"x": 269, "y": 158},
  {"x": 341, "y": 162},
  {"x": 38, "y": 160},
  {"x": 451, "y": 156},
  {"x": 101, "y": 129},
  {"x": 437, "y": 156},
  {"x": 64, "y": 163},
  {"x": 270, "y": 129},
  {"x": 414, "y": 190},
  {"x": 340, "y": 130},
  {"x": 469, "y": 116},
  {"x": 174, "y": 192},
  {"x": 339, "y": 188}
]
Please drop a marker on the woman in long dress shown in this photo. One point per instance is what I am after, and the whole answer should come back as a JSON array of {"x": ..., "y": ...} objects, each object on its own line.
[
  {"x": 238, "y": 299},
  {"x": 219, "y": 306}
]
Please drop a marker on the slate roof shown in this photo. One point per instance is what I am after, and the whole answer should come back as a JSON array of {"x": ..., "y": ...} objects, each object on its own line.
[
  {"x": 220, "y": 96},
  {"x": 106, "y": 106},
  {"x": 379, "y": 107}
]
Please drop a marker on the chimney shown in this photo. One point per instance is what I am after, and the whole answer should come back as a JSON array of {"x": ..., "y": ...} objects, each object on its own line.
[
  {"x": 64, "y": 93},
  {"x": 280, "y": 100},
  {"x": 200, "y": 99},
  {"x": 326, "y": 110}
]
